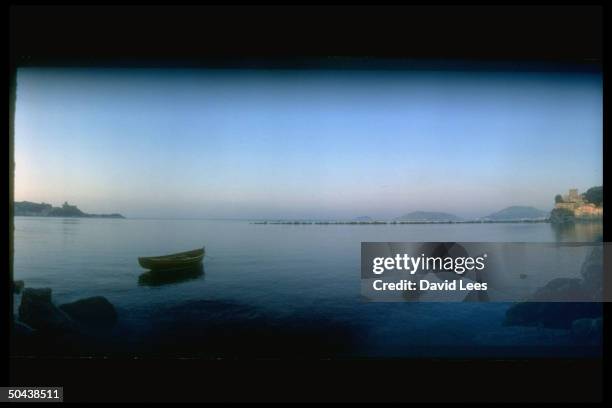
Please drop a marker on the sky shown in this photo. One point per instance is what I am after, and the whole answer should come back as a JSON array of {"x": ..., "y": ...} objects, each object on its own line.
[{"x": 304, "y": 144}]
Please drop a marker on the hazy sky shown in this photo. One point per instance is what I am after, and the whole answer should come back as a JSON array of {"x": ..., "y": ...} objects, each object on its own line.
[{"x": 304, "y": 144}]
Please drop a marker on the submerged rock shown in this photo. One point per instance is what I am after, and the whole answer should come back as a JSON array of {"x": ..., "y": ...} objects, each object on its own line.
[
  {"x": 564, "y": 303},
  {"x": 38, "y": 294},
  {"x": 17, "y": 286},
  {"x": 94, "y": 311},
  {"x": 560, "y": 289},
  {"x": 592, "y": 274},
  {"x": 587, "y": 330},
  {"x": 37, "y": 311}
]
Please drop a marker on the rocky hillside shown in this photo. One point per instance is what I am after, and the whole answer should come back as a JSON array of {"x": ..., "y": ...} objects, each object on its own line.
[
  {"x": 516, "y": 213},
  {"x": 28, "y": 208}
]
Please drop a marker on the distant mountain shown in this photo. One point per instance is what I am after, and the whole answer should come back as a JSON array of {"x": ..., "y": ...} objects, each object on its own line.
[
  {"x": 363, "y": 218},
  {"x": 28, "y": 208},
  {"x": 428, "y": 216},
  {"x": 517, "y": 213}
]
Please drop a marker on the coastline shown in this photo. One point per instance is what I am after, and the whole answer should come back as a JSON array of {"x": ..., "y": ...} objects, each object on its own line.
[
  {"x": 398, "y": 222},
  {"x": 114, "y": 216}
]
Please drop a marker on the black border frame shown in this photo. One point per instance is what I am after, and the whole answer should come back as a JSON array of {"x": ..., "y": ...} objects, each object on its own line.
[{"x": 515, "y": 37}]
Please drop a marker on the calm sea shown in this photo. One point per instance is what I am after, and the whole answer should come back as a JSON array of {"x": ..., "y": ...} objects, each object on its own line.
[{"x": 271, "y": 290}]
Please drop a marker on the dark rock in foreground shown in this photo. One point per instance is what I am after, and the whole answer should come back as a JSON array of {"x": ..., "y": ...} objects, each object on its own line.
[
  {"x": 18, "y": 286},
  {"x": 94, "y": 311},
  {"x": 592, "y": 273},
  {"x": 21, "y": 329},
  {"x": 547, "y": 309},
  {"x": 77, "y": 328},
  {"x": 561, "y": 289},
  {"x": 37, "y": 311}
]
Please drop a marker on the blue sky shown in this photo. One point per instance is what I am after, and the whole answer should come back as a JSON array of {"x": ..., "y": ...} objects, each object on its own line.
[{"x": 304, "y": 144}]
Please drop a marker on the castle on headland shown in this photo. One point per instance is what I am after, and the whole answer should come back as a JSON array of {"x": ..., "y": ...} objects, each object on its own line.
[
  {"x": 576, "y": 203},
  {"x": 28, "y": 208}
]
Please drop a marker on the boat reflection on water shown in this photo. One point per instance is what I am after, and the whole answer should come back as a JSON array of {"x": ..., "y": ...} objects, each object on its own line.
[{"x": 166, "y": 277}]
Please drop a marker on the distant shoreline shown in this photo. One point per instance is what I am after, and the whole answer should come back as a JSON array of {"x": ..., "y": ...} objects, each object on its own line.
[
  {"x": 304, "y": 222},
  {"x": 31, "y": 209},
  {"x": 117, "y": 217},
  {"x": 252, "y": 222},
  {"x": 399, "y": 222}
]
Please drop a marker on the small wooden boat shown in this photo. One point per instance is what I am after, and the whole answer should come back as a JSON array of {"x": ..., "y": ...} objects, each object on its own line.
[{"x": 179, "y": 260}]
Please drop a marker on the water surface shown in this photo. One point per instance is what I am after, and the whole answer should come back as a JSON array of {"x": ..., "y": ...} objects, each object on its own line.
[{"x": 272, "y": 290}]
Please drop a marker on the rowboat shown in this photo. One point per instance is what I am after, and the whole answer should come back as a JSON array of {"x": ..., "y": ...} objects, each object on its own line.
[{"x": 179, "y": 260}]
